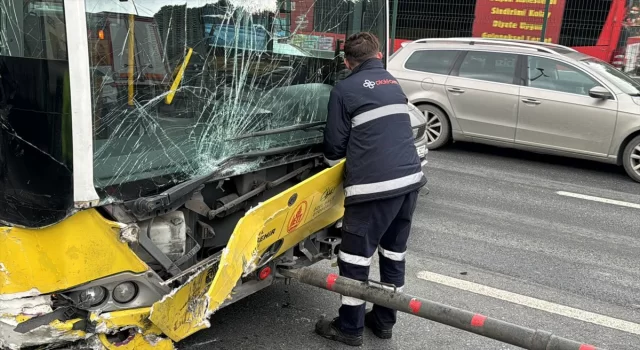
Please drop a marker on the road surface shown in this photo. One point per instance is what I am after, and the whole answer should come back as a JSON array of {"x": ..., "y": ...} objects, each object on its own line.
[{"x": 545, "y": 242}]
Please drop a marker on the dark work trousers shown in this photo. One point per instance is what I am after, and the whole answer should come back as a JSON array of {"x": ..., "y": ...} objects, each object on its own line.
[{"x": 383, "y": 225}]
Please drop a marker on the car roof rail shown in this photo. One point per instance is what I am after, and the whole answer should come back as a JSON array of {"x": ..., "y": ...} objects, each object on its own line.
[
  {"x": 515, "y": 43},
  {"x": 537, "y": 43}
]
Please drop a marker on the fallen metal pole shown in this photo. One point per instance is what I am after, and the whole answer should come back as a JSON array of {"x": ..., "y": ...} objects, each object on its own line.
[{"x": 471, "y": 322}]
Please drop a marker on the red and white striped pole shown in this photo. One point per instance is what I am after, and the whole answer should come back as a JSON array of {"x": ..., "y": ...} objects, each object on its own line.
[{"x": 475, "y": 323}]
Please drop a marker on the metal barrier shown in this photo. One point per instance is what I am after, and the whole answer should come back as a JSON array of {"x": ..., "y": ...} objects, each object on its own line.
[{"x": 386, "y": 296}]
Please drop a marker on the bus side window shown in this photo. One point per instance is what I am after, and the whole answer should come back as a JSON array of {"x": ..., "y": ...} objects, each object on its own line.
[{"x": 30, "y": 31}]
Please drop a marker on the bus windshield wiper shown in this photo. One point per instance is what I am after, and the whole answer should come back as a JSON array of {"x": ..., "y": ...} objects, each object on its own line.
[
  {"x": 177, "y": 195},
  {"x": 304, "y": 127}
]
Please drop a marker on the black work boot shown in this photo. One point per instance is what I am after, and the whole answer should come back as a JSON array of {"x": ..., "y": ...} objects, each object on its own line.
[
  {"x": 370, "y": 323},
  {"x": 330, "y": 329}
]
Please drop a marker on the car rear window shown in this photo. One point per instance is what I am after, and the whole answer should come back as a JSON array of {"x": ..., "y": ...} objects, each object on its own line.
[
  {"x": 432, "y": 61},
  {"x": 497, "y": 67}
]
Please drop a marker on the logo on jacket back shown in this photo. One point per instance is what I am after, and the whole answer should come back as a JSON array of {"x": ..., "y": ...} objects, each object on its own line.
[{"x": 371, "y": 84}]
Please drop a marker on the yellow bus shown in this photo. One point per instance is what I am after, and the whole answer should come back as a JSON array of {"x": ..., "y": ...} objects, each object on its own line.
[{"x": 159, "y": 159}]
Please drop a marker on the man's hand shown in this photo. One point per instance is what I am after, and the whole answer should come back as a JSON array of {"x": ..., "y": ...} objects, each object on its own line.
[{"x": 331, "y": 163}]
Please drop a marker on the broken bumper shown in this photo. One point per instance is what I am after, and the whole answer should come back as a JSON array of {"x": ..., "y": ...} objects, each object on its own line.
[
  {"x": 93, "y": 332},
  {"x": 36, "y": 266}
]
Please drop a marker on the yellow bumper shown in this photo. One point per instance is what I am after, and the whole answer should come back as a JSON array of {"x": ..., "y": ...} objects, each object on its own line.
[
  {"x": 86, "y": 247},
  {"x": 82, "y": 248}
]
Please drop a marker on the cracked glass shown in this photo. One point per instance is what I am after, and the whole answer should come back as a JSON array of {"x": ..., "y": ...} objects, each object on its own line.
[
  {"x": 36, "y": 182},
  {"x": 182, "y": 89}
]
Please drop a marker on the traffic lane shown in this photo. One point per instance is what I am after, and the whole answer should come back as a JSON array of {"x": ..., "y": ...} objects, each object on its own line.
[
  {"x": 528, "y": 203},
  {"x": 579, "y": 328},
  {"x": 522, "y": 268},
  {"x": 564, "y": 248},
  {"x": 500, "y": 217},
  {"x": 526, "y": 287},
  {"x": 283, "y": 317},
  {"x": 503, "y": 163}
]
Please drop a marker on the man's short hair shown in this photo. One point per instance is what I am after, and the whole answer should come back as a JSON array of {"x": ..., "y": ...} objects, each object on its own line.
[{"x": 360, "y": 47}]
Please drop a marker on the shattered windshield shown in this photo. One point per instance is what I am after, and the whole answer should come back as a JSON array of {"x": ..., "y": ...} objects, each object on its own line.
[{"x": 181, "y": 86}]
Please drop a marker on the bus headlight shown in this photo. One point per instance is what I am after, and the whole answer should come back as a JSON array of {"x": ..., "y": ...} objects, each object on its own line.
[
  {"x": 125, "y": 292},
  {"x": 93, "y": 296}
]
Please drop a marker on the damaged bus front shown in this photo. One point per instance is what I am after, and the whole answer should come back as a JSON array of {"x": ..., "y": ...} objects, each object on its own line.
[{"x": 158, "y": 158}]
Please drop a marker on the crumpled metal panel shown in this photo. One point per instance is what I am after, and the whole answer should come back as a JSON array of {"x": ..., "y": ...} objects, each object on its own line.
[{"x": 293, "y": 215}]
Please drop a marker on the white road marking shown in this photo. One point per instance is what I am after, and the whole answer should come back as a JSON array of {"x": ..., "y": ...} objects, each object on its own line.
[
  {"x": 599, "y": 199},
  {"x": 206, "y": 342},
  {"x": 533, "y": 303}
]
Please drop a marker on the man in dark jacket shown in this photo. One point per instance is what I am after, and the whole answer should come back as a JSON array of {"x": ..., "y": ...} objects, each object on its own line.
[{"x": 369, "y": 125}]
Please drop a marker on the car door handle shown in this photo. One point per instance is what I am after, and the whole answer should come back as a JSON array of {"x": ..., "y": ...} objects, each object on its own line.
[
  {"x": 455, "y": 90},
  {"x": 531, "y": 101}
]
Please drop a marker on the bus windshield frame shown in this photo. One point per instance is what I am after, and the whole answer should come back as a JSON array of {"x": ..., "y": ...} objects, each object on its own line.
[{"x": 208, "y": 88}]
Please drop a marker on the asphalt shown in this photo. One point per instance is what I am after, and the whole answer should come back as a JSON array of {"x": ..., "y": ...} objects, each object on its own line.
[{"x": 492, "y": 217}]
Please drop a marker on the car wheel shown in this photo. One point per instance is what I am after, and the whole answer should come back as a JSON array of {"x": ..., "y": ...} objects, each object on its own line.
[
  {"x": 631, "y": 158},
  {"x": 438, "y": 130}
]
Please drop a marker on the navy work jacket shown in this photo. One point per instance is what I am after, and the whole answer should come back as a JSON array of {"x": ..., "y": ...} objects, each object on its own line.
[{"x": 369, "y": 124}]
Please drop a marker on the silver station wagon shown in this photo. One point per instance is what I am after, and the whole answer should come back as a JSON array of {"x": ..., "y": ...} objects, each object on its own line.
[{"x": 534, "y": 96}]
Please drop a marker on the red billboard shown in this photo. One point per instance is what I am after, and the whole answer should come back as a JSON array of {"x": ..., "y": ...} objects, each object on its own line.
[{"x": 517, "y": 19}]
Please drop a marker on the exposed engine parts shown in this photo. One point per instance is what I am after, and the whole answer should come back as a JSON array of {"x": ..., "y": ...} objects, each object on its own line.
[{"x": 167, "y": 232}]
